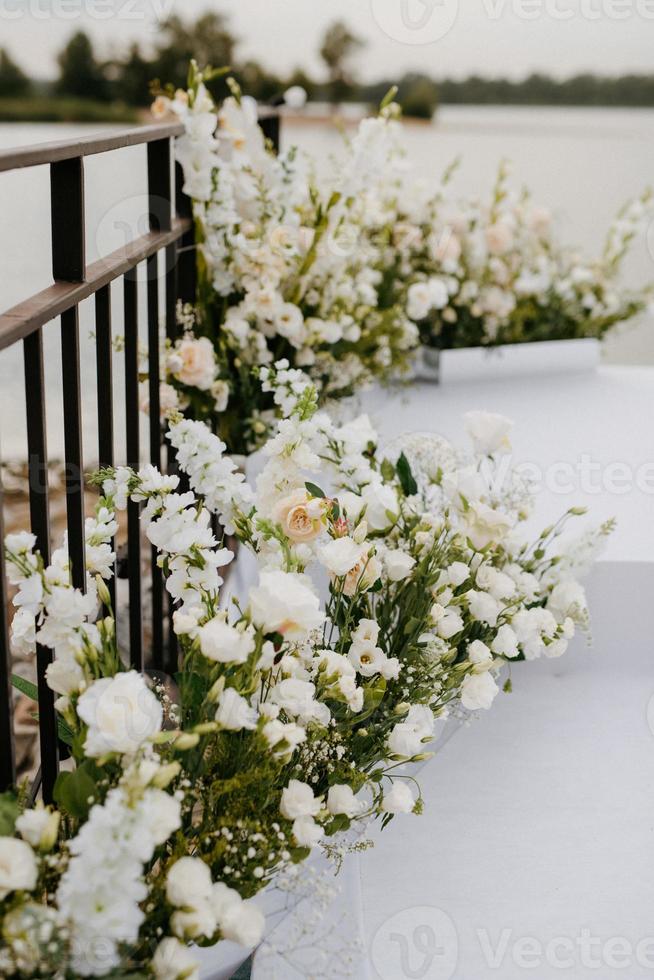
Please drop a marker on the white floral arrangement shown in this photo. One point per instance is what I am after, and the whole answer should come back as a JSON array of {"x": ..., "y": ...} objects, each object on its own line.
[
  {"x": 481, "y": 273},
  {"x": 285, "y": 267},
  {"x": 392, "y": 589}
]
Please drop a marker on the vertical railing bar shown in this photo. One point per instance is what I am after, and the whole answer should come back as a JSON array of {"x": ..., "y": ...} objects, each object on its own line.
[
  {"x": 152, "y": 267},
  {"x": 67, "y": 219},
  {"x": 7, "y": 749},
  {"x": 40, "y": 521},
  {"x": 133, "y": 460},
  {"x": 104, "y": 374},
  {"x": 159, "y": 185},
  {"x": 72, "y": 398},
  {"x": 186, "y": 259},
  {"x": 171, "y": 467}
]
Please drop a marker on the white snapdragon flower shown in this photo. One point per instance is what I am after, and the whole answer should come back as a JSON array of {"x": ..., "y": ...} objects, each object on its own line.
[
  {"x": 121, "y": 712},
  {"x": 568, "y": 600},
  {"x": 489, "y": 432},
  {"x": 478, "y": 691},
  {"x": 18, "y": 866},
  {"x": 532, "y": 627}
]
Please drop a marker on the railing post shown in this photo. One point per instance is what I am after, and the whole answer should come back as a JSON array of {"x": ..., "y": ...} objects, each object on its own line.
[
  {"x": 186, "y": 258},
  {"x": 67, "y": 219},
  {"x": 7, "y": 753},
  {"x": 133, "y": 445}
]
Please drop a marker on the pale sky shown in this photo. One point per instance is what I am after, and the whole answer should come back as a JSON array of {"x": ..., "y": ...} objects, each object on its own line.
[{"x": 442, "y": 37}]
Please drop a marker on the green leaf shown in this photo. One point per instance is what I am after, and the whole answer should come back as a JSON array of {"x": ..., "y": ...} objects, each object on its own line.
[
  {"x": 25, "y": 687},
  {"x": 409, "y": 485},
  {"x": 9, "y": 812},
  {"x": 76, "y": 792},
  {"x": 338, "y": 823},
  {"x": 299, "y": 854},
  {"x": 387, "y": 470},
  {"x": 314, "y": 490},
  {"x": 388, "y": 98},
  {"x": 65, "y": 733},
  {"x": 508, "y": 686}
]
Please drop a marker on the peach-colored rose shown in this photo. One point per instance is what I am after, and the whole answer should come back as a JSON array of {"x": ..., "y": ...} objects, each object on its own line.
[
  {"x": 299, "y": 517},
  {"x": 161, "y": 107},
  {"x": 198, "y": 362},
  {"x": 499, "y": 237}
]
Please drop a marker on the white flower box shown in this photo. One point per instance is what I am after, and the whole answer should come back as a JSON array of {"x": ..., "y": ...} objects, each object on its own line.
[{"x": 466, "y": 364}]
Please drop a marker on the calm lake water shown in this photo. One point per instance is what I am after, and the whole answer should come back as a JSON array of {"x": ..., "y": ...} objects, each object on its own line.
[{"x": 581, "y": 163}]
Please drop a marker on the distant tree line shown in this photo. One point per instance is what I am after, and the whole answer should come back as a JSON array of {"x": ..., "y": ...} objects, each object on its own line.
[{"x": 127, "y": 80}]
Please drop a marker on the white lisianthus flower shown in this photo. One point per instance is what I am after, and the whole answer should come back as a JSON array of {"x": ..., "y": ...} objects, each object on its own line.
[
  {"x": 498, "y": 584},
  {"x": 307, "y": 832},
  {"x": 369, "y": 660},
  {"x": 484, "y": 525},
  {"x": 234, "y": 712},
  {"x": 404, "y": 740},
  {"x": 367, "y": 629},
  {"x": 479, "y": 654},
  {"x": 194, "y": 921},
  {"x": 225, "y": 644},
  {"x": 483, "y": 607},
  {"x": 297, "y": 697},
  {"x": 283, "y": 603},
  {"x": 478, "y": 691},
  {"x": 419, "y": 300},
  {"x": 505, "y": 643},
  {"x": 381, "y": 506},
  {"x": 18, "y": 867},
  {"x": 298, "y": 801},
  {"x": 340, "y": 555},
  {"x": 398, "y": 564},
  {"x": 283, "y": 738},
  {"x": 188, "y": 881},
  {"x": 457, "y": 573},
  {"x": 243, "y": 923},
  {"x": 197, "y": 362},
  {"x": 449, "y": 624},
  {"x": 341, "y": 800},
  {"x": 489, "y": 432},
  {"x": 398, "y": 799},
  {"x": 121, "y": 712},
  {"x": 173, "y": 960},
  {"x": 568, "y": 600},
  {"x": 39, "y": 827}
]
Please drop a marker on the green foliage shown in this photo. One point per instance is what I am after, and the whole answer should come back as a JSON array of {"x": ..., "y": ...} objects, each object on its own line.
[
  {"x": 406, "y": 478},
  {"x": 9, "y": 813},
  {"x": 13, "y": 82},
  {"x": 75, "y": 792}
]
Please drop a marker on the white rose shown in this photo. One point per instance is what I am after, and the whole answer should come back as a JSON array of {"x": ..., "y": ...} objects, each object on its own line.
[
  {"x": 398, "y": 564},
  {"x": 121, "y": 712},
  {"x": 188, "y": 881},
  {"x": 341, "y": 799},
  {"x": 243, "y": 923},
  {"x": 307, "y": 832},
  {"x": 282, "y": 603},
  {"x": 418, "y": 300},
  {"x": 173, "y": 960},
  {"x": 398, "y": 799},
  {"x": 197, "y": 362},
  {"x": 380, "y": 500},
  {"x": 478, "y": 691},
  {"x": 489, "y": 432},
  {"x": 298, "y": 801},
  {"x": 222, "y": 899},
  {"x": 18, "y": 868},
  {"x": 449, "y": 624},
  {"x": 483, "y": 607},
  {"x": 505, "y": 643},
  {"x": 225, "y": 644},
  {"x": 39, "y": 827},
  {"x": 235, "y": 713}
]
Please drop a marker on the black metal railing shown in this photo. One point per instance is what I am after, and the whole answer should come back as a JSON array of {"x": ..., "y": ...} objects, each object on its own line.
[{"x": 170, "y": 237}]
